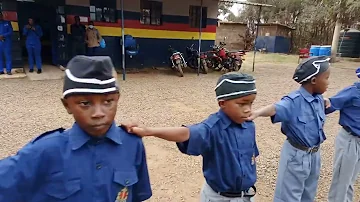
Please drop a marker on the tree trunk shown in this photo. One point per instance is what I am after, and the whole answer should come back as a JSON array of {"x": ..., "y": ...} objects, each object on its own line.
[{"x": 335, "y": 40}]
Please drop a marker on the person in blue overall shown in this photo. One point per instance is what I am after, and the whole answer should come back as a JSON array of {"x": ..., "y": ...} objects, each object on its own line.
[
  {"x": 347, "y": 153},
  {"x": 225, "y": 140},
  {"x": 33, "y": 33},
  {"x": 94, "y": 160},
  {"x": 6, "y": 31},
  {"x": 302, "y": 117}
]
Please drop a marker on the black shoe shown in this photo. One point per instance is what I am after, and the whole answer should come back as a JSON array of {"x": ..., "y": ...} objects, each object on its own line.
[
  {"x": 39, "y": 71},
  {"x": 2, "y": 73},
  {"x": 31, "y": 70},
  {"x": 9, "y": 73}
]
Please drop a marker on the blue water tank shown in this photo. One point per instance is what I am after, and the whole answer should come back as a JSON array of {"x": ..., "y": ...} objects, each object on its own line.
[
  {"x": 325, "y": 51},
  {"x": 314, "y": 50}
]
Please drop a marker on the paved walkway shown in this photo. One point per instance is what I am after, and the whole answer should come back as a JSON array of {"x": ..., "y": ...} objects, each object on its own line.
[{"x": 50, "y": 72}]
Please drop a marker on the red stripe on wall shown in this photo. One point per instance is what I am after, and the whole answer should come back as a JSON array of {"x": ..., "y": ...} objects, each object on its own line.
[
  {"x": 137, "y": 25},
  {"x": 10, "y": 15}
]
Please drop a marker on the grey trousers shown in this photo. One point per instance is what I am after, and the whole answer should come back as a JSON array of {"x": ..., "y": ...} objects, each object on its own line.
[
  {"x": 298, "y": 175},
  {"x": 209, "y": 195},
  {"x": 346, "y": 167}
]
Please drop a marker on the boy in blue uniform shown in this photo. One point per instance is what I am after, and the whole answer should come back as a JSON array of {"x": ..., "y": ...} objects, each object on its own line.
[
  {"x": 225, "y": 141},
  {"x": 347, "y": 143},
  {"x": 6, "y": 31},
  {"x": 93, "y": 161},
  {"x": 302, "y": 114}
]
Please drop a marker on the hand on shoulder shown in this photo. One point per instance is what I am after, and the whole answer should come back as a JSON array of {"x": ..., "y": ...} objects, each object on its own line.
[
  {"x": 253, "y": 116},
  {"x": 327, "y": 103},
  {"x": 135, "y": 128}
]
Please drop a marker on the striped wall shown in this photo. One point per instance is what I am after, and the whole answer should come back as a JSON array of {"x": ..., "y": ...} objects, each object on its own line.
[{"x": 153, "y": 40}]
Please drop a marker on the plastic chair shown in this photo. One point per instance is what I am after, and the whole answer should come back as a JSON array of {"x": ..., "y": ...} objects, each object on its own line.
[{"x": 303, "y": 53}]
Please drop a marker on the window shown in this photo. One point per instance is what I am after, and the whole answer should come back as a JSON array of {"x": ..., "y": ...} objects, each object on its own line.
[
  {"x": 151, "y": 12},
  {"x": 103, "y": 10},
  {"x": 194, "y": 16}
]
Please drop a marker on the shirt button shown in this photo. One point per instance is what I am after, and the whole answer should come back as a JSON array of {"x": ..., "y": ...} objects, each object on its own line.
[{"x": 98, "y": 167}]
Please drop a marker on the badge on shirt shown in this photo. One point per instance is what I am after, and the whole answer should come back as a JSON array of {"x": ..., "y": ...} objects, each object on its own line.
[
  {"x": 122, "y": 195},
  {"x": 253, "y": 160}
]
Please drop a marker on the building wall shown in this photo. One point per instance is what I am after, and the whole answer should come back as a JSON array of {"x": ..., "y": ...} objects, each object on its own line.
[
  {"x": 153, "y": 40},
  {"x": 234, "y": 33}
]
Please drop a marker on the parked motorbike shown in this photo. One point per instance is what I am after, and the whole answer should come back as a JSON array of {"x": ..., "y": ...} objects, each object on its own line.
[
  {"x": 192, "y": 59},
  {"x": 177, "y": 61},
  {"x": 222, "y": 59}
]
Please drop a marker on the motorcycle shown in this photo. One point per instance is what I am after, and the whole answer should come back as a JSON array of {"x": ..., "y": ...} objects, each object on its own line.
[
  {"x": 193, "y": 57},
  {"x": 223, "y": 59},
  {"x": 177, "y": 61}
]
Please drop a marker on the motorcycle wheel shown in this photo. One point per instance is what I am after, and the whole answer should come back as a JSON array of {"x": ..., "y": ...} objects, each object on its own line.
[
  {"x": 180, "y": 70},
  {"x": 204, "y": 67},
  {"x": 237, "y": 65}
]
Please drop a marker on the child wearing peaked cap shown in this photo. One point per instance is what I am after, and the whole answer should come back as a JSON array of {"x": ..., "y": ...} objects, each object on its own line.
[
  {"x": 302, "y": 117},
  {"x": 347, "y": 144},
  {"x": 94, "y": 160},
  {"x": 225, "y": 140}
]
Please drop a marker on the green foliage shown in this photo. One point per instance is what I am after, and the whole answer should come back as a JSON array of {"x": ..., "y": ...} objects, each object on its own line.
[{"x": 314, "y": 20}]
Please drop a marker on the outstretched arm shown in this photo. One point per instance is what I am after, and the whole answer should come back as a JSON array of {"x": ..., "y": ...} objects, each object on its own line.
[
  {"x": 18, "y": 174},
  {"x": 341, "y": 99},
  {"x": 279, "y": 112},
  {"x": 174, "y": 134}
]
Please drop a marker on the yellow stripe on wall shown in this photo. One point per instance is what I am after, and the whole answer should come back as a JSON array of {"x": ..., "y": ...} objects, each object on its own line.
[
  {"x": 15, "y": 26},
  {"x": 150, "y": 33}
]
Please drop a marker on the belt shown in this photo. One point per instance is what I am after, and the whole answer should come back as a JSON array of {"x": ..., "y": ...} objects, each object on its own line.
[
  {"x": 348, "y": 129},
  {"x": 249, "y": 193},
  {"x": 304, "y": 148}
]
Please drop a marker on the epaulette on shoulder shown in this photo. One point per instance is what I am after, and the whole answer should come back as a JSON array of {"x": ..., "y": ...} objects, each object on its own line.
[
  {"x": 211, "y": 121},
  {"x": 293, "y": 95},
  {"x": 59, "y": 130}
]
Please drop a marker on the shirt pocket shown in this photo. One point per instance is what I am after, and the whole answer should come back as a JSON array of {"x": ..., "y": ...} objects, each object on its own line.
[
  {"x": 63, "y": 190},
  {"x": 308, "y": 123},
  {"x": 125, "y": 180}
]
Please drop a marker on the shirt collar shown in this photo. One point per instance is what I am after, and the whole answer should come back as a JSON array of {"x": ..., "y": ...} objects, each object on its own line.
[
  {"x": 308, "y": 97},
  {"x": 78, "y": 137},
  {"x": 226, "y": 121}
]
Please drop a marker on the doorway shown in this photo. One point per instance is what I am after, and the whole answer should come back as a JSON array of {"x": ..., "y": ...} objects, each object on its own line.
[{"x": 43, "y": 15}]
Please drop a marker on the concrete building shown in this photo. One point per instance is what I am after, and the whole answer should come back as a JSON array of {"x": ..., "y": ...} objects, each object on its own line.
[
  {"x": 235, "y": 33},
  {"x": 155, "y": 24}
]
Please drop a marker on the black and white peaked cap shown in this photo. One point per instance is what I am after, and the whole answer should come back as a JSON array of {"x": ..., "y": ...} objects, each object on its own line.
[
  {"x": 310, "y": 68},
  {"x": 89, "y": 75},
  {"x": 234, "y": 85}
]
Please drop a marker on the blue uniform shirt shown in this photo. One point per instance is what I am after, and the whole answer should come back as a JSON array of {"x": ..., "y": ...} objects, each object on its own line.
[
  {"x": 70, "y": 166},
  {"x": 302, "y": 116},
  {"x": 33, "y": 37},
  {"x": 6, "y": 30},
  {"x": 348, "y": 102},
  {"x": 228, "y": 151}
]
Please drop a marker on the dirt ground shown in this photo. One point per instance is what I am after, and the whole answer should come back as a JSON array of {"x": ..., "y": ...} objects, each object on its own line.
[{"x": 159, "y": 98}]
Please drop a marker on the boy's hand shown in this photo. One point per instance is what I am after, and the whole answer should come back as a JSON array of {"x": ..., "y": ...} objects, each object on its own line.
[
  {"x": 327, "y": 103},
  {"x": 254, "y": 115},
  {"x": 132, "y": 127}
]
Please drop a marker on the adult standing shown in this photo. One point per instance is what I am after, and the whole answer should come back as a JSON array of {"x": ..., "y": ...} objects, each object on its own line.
[
  {"x": 78, "y": 31},
  {"x": 33, "y": 33},
  {"x": 6, "y": 31},
  {"x": 92, "y": 39}
]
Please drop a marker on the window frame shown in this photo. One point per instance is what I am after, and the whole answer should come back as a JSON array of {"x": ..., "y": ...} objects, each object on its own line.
[
  {"x": 103, "y": 11},
  {"x": 151, "y": 12},
  {"x": 194, "y": 16}
]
